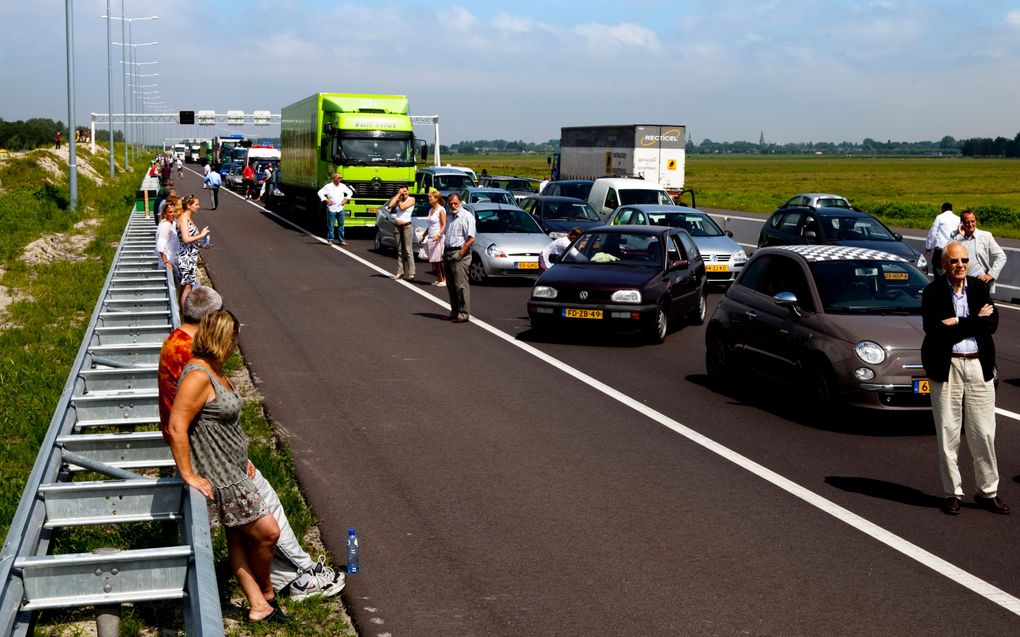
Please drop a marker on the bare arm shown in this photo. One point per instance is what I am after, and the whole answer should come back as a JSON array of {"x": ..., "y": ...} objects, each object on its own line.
[{"x": 191, "y": 397}]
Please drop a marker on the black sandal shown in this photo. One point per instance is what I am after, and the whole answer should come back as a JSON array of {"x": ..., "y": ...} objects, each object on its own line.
[{"x": 275, "y": 617}]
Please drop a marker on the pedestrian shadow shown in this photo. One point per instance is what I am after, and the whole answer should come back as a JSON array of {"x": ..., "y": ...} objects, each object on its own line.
[
  {"x": 885, "y": 490},
  {"x": 444, "y": 316},
  {"x": 1015, "y": 382}
]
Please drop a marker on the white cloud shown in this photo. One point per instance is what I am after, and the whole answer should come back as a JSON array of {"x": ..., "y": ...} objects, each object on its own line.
[
  {"x": 1013, "y": 19},
  {"x": 623, "y": 35}
]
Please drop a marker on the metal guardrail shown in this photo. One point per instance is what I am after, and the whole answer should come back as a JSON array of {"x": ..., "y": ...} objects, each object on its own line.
[{"x": 112, "y": 388}]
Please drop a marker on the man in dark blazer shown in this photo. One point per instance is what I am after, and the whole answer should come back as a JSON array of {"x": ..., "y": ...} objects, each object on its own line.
[{"x": 958, "y": 354}]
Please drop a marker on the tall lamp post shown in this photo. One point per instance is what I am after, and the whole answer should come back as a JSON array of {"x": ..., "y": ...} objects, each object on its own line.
[
  {"x": 139, "y": 97},
  {"x": 72, "y": 156},
  {"x": 132, "y": 48},
  {"x": 123, "y": 60}
]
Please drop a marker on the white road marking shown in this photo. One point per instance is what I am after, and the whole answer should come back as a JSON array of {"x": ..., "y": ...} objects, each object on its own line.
[
  {"x": 893, "y": 541},
  {"x": 1007, "y": 413}
]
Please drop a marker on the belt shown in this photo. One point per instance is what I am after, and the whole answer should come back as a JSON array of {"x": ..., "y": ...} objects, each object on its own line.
[
  {"x": 969, "y": 355},
  {"x": 448, "y": 249}
]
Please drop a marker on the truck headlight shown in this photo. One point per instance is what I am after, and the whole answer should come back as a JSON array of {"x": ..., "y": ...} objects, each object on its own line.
[
  {"x": 626, "y": 296},
  {"x": 870, "y": 352}
]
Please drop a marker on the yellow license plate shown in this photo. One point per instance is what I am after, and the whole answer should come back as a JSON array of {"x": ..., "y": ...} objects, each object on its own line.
[
  {"x": 526, "y": 265},
  {"x": 717, "y": 268},
  {"x": 569, "y": 312},
  {"x": 372, "y": 210},
  {"x": 922, "y": 386}
]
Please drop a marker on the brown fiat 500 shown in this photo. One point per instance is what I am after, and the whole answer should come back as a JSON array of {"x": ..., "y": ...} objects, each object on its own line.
[{"x": 835, "y": 323}]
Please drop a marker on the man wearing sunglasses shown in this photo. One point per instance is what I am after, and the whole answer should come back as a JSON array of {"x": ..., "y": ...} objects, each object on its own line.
[{"x": 958, "y": 355}]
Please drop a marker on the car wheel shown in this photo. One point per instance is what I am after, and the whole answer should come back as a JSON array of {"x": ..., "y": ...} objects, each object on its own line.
[
  {"x": 697, "y": 316},
  {"x": 377, "y": 243},
  {"x": 658, "y": 329},
  {"x": 476, "y": 271},
  {"x": 820, "y": 388},
  {"x": 718, "y": 361}
]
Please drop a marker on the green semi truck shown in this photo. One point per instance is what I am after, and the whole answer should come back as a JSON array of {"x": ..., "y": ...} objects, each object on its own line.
[{"x": 368, "y": 138}]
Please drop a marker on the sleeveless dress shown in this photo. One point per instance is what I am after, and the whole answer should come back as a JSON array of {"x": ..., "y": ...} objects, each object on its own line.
[
  {"x": 434, "y": 249},
  {"x": 187, "y": 256},
  {"x": 219, "y": 453}
]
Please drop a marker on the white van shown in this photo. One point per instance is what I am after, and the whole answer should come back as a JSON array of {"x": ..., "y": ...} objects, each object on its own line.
[{"x": 608, "y": 193}]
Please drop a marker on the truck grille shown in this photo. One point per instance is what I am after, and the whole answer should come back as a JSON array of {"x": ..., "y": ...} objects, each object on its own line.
[{"x": 375, "y": 189}]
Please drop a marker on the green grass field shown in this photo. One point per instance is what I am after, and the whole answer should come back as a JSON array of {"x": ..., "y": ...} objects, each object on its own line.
[{"x": 901, "y": 191}]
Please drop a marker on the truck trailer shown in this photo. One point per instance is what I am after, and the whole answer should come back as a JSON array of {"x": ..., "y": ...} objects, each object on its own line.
[
  {"x": 368, "y": 138},
  {"x": 654, "y": 152}
]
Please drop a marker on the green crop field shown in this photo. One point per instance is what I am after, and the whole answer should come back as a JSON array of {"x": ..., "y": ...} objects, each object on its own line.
[{"x": 901, "y": 191}]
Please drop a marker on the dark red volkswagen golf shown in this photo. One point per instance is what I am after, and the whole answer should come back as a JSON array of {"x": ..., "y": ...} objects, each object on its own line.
[{"x": 623, "y": 278}]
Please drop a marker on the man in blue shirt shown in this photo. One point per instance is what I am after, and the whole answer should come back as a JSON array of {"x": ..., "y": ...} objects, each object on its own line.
[{"x": 212, "y": 182}]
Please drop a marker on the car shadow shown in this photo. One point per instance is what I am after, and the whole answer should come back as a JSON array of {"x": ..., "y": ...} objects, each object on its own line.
[
  {"x": 885, "y": 490},
  {"x": 584, "y": 338},
  {"x": 848, "y": 420}
]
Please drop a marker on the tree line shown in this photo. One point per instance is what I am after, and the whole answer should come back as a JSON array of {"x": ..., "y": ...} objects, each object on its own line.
[
  {"x": 32, "y": 133},
  {"x": 946, "y": 147}
]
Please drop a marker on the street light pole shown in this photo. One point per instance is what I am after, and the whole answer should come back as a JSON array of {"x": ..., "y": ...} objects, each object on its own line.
[
  {"x": 109, "y": 80},
  {"x": 72, "y": 180},
  {"x": 124, "y": 82}
]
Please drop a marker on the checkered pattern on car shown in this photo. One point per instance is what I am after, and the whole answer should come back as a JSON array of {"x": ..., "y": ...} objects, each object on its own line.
[{"x": 840, "y": 253}]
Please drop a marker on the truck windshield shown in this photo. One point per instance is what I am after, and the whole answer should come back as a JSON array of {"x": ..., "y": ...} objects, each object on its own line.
[{"x": 397, "y": 152}]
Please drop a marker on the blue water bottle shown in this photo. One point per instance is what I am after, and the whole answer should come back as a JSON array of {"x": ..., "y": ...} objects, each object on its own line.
[{"x": 353, "y": 557}]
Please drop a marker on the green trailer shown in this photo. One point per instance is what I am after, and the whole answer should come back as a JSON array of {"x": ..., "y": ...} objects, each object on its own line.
[{"x": 368, "y": 138}]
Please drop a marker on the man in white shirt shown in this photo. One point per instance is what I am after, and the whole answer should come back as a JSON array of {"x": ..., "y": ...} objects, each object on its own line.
[
  {"x": 557, "y": 247},
  {"x": 336, "y": 195},
  {"x": 987, "y": 258},
  {"x": 941, "y": 232}
]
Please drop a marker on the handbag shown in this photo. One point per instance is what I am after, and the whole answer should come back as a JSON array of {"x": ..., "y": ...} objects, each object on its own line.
[{"x": 423, "y": 251}]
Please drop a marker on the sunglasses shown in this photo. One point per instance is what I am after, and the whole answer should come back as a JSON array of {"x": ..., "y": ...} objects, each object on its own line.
[{"x": 964, "y": 260}]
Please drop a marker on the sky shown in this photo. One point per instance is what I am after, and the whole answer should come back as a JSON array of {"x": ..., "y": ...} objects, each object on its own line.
[{"x": 795, "y": 70}]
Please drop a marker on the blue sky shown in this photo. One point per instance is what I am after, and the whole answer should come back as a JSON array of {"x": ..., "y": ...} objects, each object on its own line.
[{"x": 799, "y": 70}]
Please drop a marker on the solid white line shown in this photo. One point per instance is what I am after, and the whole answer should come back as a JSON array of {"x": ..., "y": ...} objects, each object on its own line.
[
  {"x": 893, "y": 541},
  {"x": 1007, "y": 413}
]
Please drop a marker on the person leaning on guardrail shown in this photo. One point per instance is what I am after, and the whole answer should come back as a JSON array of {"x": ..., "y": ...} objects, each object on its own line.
[
  {"x": 293, "y": 571},
  {"x": 211, "y": 453}
]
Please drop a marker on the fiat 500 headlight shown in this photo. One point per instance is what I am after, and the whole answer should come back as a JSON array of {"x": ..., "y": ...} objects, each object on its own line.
[{"x": 870, "y": 352}]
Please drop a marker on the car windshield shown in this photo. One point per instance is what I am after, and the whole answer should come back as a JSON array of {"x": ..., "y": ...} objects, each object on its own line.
[
  {"x": 453, "y": 182},
  {"x": 377, "y": 151},
  {"x": 493, "y": 197},
  {"x": 498, "y": 221},
  {"x": 579, "y": 191},
  {"x": 616, "y": 248},
  {"x": 869, "y": 286},
  {"x": 572, "y": 210},
  {"x": 853, "y": 228},
  {"x": 634, "y": 196},
  {"x": 699, "y": 225}
]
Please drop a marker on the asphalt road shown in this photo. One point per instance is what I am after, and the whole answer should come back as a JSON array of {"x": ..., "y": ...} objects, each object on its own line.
[{"x": 587, "y": 485}]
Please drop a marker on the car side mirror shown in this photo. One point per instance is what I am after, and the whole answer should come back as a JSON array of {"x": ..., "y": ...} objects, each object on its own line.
[
  {"x": 729, "y": 233},
  {"x": 554, "y": 258},
  {"x": 897, "y": 236},
  {"x": 811, "y": 236},
  {"x": 678, "y": 264},
  {"x": 787, "y": 300}
]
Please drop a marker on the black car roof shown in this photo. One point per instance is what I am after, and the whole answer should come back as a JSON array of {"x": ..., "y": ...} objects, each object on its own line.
[
  {"x": 636, "y": 229},
  {"x": 555, "y": 198}
]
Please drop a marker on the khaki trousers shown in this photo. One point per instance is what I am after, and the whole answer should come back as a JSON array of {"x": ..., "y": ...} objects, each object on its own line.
[
  {"x": 966, "y": 401},
  {"x": 457, "y": 284},
  {"x": 403, "y": 236}
]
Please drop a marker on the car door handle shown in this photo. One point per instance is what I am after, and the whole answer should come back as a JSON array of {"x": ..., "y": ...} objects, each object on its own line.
[{"x": 751, "y": 315}]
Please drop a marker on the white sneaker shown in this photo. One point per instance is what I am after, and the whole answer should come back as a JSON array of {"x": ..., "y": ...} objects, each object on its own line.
[{"x": 318, "y": 580}]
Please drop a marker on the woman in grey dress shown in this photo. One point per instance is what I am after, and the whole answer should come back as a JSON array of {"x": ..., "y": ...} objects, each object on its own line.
[{"x": 211, "y": 452}]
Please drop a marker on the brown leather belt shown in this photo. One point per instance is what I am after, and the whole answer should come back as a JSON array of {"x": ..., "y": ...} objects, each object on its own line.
[{"x": 970, "y": 355}]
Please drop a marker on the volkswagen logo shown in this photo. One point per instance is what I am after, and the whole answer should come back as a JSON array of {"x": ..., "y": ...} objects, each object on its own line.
[
  {"x": 583, "y": 295},
  {"x": 376, "y": 183}
]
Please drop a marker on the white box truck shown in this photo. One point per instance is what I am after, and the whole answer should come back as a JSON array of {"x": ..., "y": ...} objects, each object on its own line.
[{"x": 653, "y": 152}]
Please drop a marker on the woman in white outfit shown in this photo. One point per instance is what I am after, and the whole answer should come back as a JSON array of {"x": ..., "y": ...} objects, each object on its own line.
[
  {"x": 167, "y": 242},
  {"x": 432, "y": 242}
]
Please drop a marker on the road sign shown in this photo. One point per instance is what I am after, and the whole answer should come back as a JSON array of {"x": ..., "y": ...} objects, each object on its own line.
[
  {"x": 187, "y": 117},
  {"x": 671, "y": 164},
  {"x": 206, "y": 118}
]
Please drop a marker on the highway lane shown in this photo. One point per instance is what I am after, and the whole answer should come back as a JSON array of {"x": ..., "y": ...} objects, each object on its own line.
[{"x": 494, "y": 493}]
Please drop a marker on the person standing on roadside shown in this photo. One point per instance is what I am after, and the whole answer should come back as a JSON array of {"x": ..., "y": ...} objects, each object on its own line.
[
  {"x": 167, "y": 241},
  {"x": 460, "y": 235},
  {"x": 191, "y": 239},
  {"x": 401, "y": 205},
  {"x": 212, "y": 183},
  {"x": 940, "y": 233},
  {"x": 292, "y": 570},
  {"x": 336, "y": 194},
  {"x": 987, "y": 258},
  {"x": 434, "y": 242},
  {"x": 248, "y": 180},
  {"x": 56, "y": 141},
  {"x": 958, "y": 355}
]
